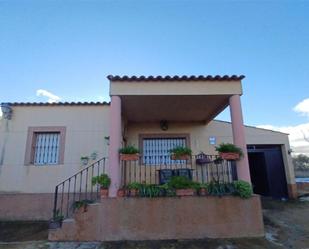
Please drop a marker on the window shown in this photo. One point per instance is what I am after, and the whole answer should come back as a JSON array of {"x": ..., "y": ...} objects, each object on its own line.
[
  {"x": 156, "y": 149},
  {"x": 45, "y": 146}
]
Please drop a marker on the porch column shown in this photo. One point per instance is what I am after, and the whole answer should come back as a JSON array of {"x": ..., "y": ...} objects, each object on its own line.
[
  {"x": 238, "y": 128},
  {"x": 114, "y": 145}
]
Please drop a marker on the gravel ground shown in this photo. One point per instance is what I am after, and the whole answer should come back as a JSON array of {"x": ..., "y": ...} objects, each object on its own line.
[{"x": 286, "y": 226}]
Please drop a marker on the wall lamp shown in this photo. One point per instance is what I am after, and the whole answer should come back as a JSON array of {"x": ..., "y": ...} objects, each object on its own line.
[{"x": 163, "y": 125}]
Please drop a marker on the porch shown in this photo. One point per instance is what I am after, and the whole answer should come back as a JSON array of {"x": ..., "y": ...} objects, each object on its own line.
[{"x": 163, "y": 102}]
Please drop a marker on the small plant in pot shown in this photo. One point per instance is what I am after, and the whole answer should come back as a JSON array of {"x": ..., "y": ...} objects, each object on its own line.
[
  {"x": 183, "y": 186},
  {"x": 82, "y": 205},
  {"x": 229, "y": 151},
  {"x": 181, "y": 153},
  {"x": 104, "y": 181},
  {"x": 56, "y": 221},
  {"x": 84, "y": 160},
  {"x": 122, "y": 192},
  {"x": 129, "y": 153},
  {"x": 203, "y": 189},
  {"x": 134, "y": 188}
]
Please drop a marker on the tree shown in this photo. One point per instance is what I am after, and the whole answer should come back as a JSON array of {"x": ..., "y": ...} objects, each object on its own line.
[{"x": 301, "y": 162}]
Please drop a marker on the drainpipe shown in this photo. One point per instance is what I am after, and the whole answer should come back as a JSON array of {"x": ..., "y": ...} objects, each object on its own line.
[{"x": 6, "y": 116}]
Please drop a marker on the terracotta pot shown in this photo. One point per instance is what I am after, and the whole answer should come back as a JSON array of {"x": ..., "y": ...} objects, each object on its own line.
[
  {"x": 133, "y": 192},
  {"x": 229, "y": 156},
  {"x": 203, "y": 192},
  {"x": 185, "y": 192},
  {"x": 103, "y": 192},
  {"x": 121, "y": 193},
  {"x": 181, "y": 157},
  {"x": 129, "y": 157}
]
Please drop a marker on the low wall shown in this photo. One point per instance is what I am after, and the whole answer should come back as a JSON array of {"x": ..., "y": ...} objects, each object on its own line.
[
  {"x": 26, "y": 206},
  {"x": 303, "y": 187},
  {"x": 116, "y": 219}
]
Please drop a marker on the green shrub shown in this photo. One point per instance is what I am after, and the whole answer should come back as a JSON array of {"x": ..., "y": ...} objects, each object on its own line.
[
  {"x": 219, "y": 189},
  {"x": 181, "y": 151},
  {"x": 167, "y": 190},
  {"x": 227, "y": 147},
  {"x": 180, "y": 182},
  {"x": 203, "y": 185},
  {"x": 130, "y": 149},
  {"x": 134, "y": 185},
  {"x": 82, "y": 203},
  {"x": 103, "y": 180},
  {"x": 243, "y": 189},
  {"x": 150, "y": 190}
]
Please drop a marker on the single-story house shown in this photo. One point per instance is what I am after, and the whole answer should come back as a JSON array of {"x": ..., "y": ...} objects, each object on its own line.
[{"x": 50, "y": 151}]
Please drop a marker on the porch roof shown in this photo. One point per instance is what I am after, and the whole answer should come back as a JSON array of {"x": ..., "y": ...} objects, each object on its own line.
[{"x": 174, "y": 98}]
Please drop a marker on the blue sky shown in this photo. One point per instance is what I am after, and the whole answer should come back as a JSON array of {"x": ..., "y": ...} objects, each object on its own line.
[{"x": 69, "y": 47}]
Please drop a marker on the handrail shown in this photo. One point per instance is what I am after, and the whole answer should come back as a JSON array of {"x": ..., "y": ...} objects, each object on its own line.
[
  {"x": 76, "y": 187},
  {"x": 78, "y": 172}
]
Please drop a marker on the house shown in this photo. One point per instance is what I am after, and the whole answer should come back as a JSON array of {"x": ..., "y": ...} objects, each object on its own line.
[{"x": 41, "y": 170}]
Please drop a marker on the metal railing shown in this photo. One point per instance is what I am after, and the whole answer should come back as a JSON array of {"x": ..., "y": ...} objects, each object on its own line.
[
  {"x": 200, "y": 168},
  {"x": 78, "y": 187}
]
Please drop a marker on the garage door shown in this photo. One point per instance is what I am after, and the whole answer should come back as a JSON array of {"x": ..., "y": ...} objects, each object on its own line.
[{"x": 267, "y": 170}]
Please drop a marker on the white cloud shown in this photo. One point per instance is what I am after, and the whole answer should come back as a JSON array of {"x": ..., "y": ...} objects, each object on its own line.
[
  {"x": 51, "y": 97},
  {"x": 296, "y": 136},
  {"x": 302, "y": 107}
]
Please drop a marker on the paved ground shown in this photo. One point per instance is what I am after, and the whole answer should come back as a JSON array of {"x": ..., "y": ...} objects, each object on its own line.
[{"x": 286, "y": 226}]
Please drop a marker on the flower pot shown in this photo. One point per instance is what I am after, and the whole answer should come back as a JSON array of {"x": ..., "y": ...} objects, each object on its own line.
[
  {"x": 103, "y": 192},
  {"x": 229, "y": 156},
  {"x": 129, "y": 157},
  {"x": 180, "y": 157},
  {"x": 185, "y": 192},
  {"x": 201, "y": 161},
  {"x": 121, "y": 193},
  {"x": 54, "y": 224},
  {"x": 203, "y": 192},
  {"x": 133, "y": 192},
  {"x": 85, "y": 161}
]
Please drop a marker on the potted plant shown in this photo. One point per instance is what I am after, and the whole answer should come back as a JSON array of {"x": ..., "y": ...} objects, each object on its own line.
[
  {"x": 203, "y": 189},
  {"x": 229, "y": 151},
  {"x": 104, "y": 181},
  {"x": 183, "y": 186},
  {"x": 122, "y": 192},
  {"x": 202, "y": 159},
  {"x": 129, "y": 153},
  {"x": 56, "y": 221},
  {"x": 84, "y": 160},
  {"x": 243, "y": 189},
  {"x": 134, "y": 188},
  {"x": 81, "y": 205},
  {"x": 181, "y": 153}
]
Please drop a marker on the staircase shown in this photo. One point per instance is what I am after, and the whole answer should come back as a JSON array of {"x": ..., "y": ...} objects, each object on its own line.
[{"x": 76, "y": 188}]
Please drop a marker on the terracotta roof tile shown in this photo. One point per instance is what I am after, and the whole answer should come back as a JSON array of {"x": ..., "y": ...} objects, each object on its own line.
[
  {"x": 175, "y": 78},
  {"x": 55, "y": 104}
]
